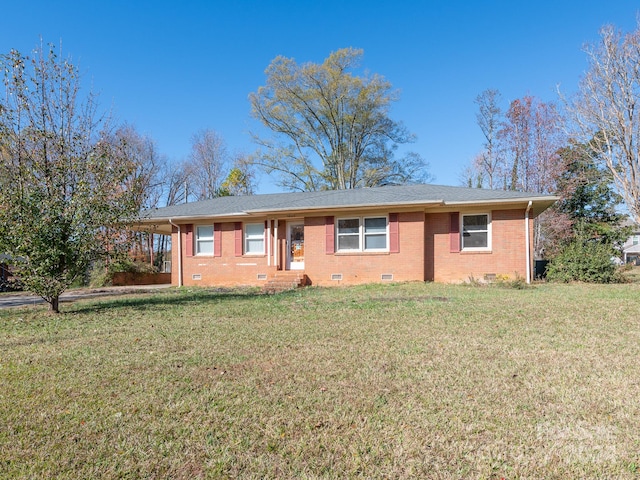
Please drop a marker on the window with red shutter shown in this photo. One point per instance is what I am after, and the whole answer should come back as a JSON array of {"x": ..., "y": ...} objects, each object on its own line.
[
  {"x": 238, "y": 239},
  {"x": 188, "y": 230},
  {"x": 217, "y": 239},
  {"x": 329, "y": 235},
  {"x": 394, "y": 233},
  {"x": 454, "y": 233}
]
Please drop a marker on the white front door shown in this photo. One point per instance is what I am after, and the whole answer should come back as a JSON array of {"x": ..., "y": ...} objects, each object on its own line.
[{"x": 295, "y": 245}]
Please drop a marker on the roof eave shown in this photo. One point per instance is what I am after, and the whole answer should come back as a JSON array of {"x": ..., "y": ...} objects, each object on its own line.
[
  {"x": 151, "y": 220},
  {"x": 550, "y": 199},
  {"x": 265, "y": 211},
  {"x": 542, "y": 203}
]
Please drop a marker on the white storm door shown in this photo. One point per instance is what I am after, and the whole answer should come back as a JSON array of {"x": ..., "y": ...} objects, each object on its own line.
[{"x": 295, "y": 245}]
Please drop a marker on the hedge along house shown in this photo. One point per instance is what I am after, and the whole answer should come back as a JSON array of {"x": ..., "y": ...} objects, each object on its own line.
[{"x": 392, "y": 233}]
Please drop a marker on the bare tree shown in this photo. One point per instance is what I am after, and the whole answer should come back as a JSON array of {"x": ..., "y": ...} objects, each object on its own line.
[
  {"x": 605, "y": 111},
  {"x": 175, "y": 181},
  {"x": 489, "y": 118},
  {"x": 140, "y": 151},
  {"x": 474, "y": 175},
  {"x": 241, "y": 177},
  {"x": 208, "y": 164},
  {"x": 520, "y": 148},
  {"x": 530, "y": 139}
]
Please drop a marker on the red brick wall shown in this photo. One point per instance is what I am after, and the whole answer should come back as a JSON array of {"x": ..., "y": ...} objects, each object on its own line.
[
  {"x": 507, "y": 256},
  {"x": 132, "y": 278},
  {"x": 224, "y": 270},
  {"x": 406, "y": 265},
  {"x": 424, "y": 254}
]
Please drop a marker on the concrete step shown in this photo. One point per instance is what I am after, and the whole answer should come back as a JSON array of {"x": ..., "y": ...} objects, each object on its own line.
[{"x": 286, "y": 280}]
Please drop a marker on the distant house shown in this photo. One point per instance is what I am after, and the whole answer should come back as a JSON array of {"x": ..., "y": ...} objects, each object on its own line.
[
  {"x": 392, "y": 233},
  {"x": 631, "y": 248}
]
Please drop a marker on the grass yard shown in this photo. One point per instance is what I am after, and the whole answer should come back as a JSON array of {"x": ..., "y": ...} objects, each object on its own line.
[{"x": 392, "y": 381}]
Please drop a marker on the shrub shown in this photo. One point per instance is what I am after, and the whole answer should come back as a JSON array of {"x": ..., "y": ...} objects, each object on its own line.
[
  {"x": 584, "y": 261},
  {"x": 102, "y": 276},
  {"x": 517, "y": 282}
]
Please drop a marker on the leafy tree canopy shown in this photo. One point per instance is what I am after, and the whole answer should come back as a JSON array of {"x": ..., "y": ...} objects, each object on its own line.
[
  {"x": 65, "y": 184},
  {"x": 332, "y": 127}
]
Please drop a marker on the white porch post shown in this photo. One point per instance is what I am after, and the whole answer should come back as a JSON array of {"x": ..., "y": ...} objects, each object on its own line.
[
  {"x": 268, "y": 242},
  {"x": 275, "y": 237},
  {"x": 179, "y": 252}
]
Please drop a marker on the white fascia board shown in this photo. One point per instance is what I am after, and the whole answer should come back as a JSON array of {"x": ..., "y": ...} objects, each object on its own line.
[
  {"x": 525, "y": 200},
  {"x": 188, "y": 218},
  {"x": 326, "y": 208}
]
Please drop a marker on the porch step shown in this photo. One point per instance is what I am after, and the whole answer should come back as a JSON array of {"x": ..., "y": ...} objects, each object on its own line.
[{"x": 286, "y": 280}]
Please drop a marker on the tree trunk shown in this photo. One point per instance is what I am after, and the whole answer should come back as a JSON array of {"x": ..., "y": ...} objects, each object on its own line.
[{"x": 53, "y": 304}]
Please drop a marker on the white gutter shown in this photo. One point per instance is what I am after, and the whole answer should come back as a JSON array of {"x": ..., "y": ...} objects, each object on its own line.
[
  {"x": 179, "y": 252},
  {"x": 546, "y": 198},
  {"x": 528, "y": 240}
]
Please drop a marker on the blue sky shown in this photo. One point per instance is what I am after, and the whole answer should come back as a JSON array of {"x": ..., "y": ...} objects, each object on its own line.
[{"x": 174, "y": 68}]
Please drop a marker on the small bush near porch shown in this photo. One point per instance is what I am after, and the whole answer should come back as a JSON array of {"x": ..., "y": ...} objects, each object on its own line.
[{"x": 396, "y": 381}]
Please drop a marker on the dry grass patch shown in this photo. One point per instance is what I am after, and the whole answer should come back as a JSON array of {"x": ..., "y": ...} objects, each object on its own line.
[{"x": 409, "y": 380}]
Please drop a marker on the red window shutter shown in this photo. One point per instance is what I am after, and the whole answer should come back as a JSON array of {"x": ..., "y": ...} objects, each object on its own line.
[
  {"x": 454, "y": 233},
  {"x": 238, "y": 232},
  {"x": 394, "y": 233},
  {"x": 188, "y": 230},
  {"x": 330, "y": 241},
  {"x": 217, "y": 240}
]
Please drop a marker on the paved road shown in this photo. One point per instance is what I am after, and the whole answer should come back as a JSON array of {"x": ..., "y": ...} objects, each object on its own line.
[{"x": 8, "y": 300}]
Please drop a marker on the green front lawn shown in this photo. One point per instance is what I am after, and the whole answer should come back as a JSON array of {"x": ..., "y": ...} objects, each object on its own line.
[{"x": 387, "y": 381}]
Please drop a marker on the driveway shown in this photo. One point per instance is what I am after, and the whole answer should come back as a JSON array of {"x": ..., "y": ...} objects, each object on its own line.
[{"x": 8, "y": 300}]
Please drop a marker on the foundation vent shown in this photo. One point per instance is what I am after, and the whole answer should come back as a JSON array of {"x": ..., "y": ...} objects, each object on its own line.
[
  {"x": 262, "y": 276},
  {"x": 387, "y": 276},
  {"x": 196, "y": 276},
  {"x": 336, "y": 276}
]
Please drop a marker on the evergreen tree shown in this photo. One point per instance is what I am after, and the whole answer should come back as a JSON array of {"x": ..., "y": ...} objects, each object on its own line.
[{"x": 588, "y": 197}]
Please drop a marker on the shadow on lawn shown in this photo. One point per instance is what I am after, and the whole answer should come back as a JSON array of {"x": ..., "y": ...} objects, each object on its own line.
[{"x": 159, "y": 300}]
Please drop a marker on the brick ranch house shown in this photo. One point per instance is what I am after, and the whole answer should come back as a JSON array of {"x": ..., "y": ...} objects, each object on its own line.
[{"x": 392, "y": 233}]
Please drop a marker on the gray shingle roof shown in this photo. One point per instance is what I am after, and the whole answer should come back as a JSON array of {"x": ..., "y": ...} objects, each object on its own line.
[{"x": 333, "y": 199}]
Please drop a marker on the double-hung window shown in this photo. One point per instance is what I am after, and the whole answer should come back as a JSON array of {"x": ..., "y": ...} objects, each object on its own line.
[
  {"x": 254, "y": 238},
  {"x": 362, "y": 234},
  {"x": 204, "y": 240},
  {"x": 375, "y": 233},
  {"x": 476, "y": 232},
  {"x": 349, "y": 234}
]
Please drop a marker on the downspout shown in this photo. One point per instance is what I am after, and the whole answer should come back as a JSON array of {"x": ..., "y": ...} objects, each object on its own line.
[
  {"x": 179, "y": 252},
  {"x": 528, "y": 240}
]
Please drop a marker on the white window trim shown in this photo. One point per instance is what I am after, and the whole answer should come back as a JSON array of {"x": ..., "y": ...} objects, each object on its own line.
[
  {"x": 361, "y": 235},
  {"x": 338, "y": 249},
  {"x": 246, "y": 238},
  {"x": 489, "y": 223},
  {"x": 197, "y": 239}
]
